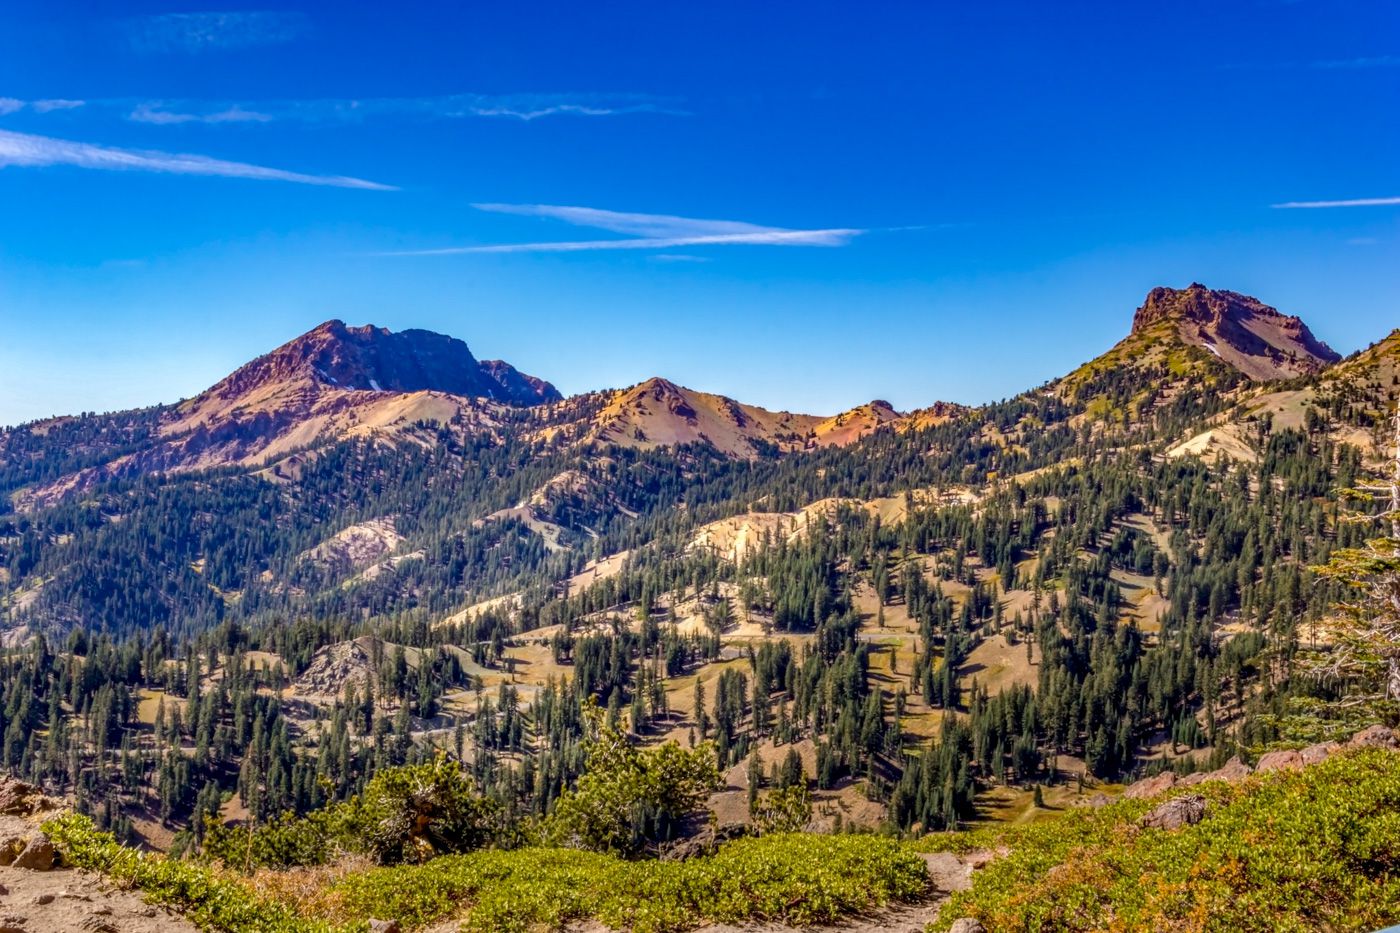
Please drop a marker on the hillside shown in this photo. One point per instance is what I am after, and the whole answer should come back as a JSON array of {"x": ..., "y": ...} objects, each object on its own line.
[
  {"x": 926, "y": 621},
  {"x": 1198, "y": 342},
  {"x": 331, "y": 384},
  {"x": 659, "y": 413}
]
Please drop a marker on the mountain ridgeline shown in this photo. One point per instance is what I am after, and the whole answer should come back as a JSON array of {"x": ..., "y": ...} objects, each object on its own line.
[{"x": 368, "y": 547}]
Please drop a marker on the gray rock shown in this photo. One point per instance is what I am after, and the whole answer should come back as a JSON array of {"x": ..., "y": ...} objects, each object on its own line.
[
  {"x": 947, "y": 871},
  {"x": 1186, "y": 810},
  {"x": 1289, "y": 760},
  {"x": 38, "y": 855},
  {"x": 1376, "y": 736},
  {"x": 967, "y": 925},
  {"x": 384, "y": 926},
  {"x": 1320, "y": 752}
]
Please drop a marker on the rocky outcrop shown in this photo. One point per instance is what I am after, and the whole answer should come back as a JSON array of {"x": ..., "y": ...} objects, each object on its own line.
[
  {"x": 967, "y": 925},
  {"x": 18, "y": 798},
  {"x": 1376, "y": 736},
  {"x": 37, "y": 855},
  {"x": 1241, "y": 331},
  {"x": 376, "y": 359},
  {"x": 1186, "y": 810}
]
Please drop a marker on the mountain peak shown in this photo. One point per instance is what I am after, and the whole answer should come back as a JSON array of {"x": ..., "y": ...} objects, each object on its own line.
[
  {"x": 1260, "y": 341},
  {"x": 376, "y": 359}
]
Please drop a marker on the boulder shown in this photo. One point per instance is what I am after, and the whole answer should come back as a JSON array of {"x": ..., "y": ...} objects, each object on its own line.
[
  {"x": 1233, "y": 770},
  {"x": 384, "y": 926},
  {"x": 20, "y": 799},
  {"x": 1319, "y": 752},
  {"x": 1186, "y": 810},
  {"x": 1151, "y": 787},
  {"x": 1287, "y": 760},
  {"x": 967, "y": 925},
  {"x": 947, "y": 872},
  {"x": 38, "y": 855},
  {"x": 1376, "y": 736}
]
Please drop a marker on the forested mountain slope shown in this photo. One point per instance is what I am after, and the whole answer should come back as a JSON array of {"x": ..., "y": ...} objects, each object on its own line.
[{"x": 334, "y": 562}]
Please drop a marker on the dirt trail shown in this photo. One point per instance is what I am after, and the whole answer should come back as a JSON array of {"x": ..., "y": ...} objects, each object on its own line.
[{"x": 64, "y": 900}]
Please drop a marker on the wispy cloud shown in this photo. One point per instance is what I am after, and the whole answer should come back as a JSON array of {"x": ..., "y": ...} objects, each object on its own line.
[
  {"x": 45, "y": 106},
  {"x": 23, "y": 149},
  {"x": 14, "y": 105},
  {"x": 152, "y": 112},
  {"x": 1378, "y": 61},
  {"x": 1353, "y": 202},
  {"x": 192, "y": 33},
  {"x": 522, "y": 107},
  {"x": 679, "y": 257},
  {"x": 645, "y": 231}
]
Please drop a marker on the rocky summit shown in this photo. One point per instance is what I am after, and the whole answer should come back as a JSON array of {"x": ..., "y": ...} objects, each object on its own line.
[{"x": 1256, "y": 339}]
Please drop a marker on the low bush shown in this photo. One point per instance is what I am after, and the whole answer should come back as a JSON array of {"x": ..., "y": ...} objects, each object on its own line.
[
  {"x": 1317, "y": 849},
  {"x": 207, "y": 898},
  {"x": 797, "y": 878}
]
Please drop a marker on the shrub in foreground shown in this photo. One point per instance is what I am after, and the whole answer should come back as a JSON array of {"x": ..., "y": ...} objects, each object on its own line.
[{"x": 1317, "y": 849}]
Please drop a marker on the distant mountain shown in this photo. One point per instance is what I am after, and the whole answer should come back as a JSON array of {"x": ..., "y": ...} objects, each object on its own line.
[
  {"x": 659, "y": 413},
  {"x": 331, "y": 383},
  {"x": 1245, "y": 333},
  {"x": 1200, "y": 340}
]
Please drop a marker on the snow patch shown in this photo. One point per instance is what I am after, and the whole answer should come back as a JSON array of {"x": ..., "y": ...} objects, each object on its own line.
[
  {"x": 1211, "y": 347},
  {"x": 375, "y": 385}
]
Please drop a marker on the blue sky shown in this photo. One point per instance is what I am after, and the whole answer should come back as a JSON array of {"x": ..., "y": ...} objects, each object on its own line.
[{"x": 821, "y": 203}]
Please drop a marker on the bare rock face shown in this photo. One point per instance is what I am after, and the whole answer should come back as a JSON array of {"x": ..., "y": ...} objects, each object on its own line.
[
  {"x": 10, "y": 849},
  {"x": 1186, "y": 810},
  {"x": 1241, "y": 331},
  {"x": 1232, "y": 770},
  {"x": 334, "y": 666}
]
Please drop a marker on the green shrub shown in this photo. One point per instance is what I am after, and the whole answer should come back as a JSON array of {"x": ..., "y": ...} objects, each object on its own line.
[
  {"x": 407, "y": 814},
  {"x": 210, "y": 901},
  {"x": 795, "y": 878},
  {"x": 630, "y": 798},
  {"x": 1317, "y": 849}
]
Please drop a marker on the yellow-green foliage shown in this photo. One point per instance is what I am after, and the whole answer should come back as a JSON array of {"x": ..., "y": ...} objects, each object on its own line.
[
  {"x": 625, "y": 787},
  {"x": 406, "y": 814},
  {"x": 210, "y": 900},
  {"x": 798, "y": 878},
  {"x": 1287, "y": 851}
]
